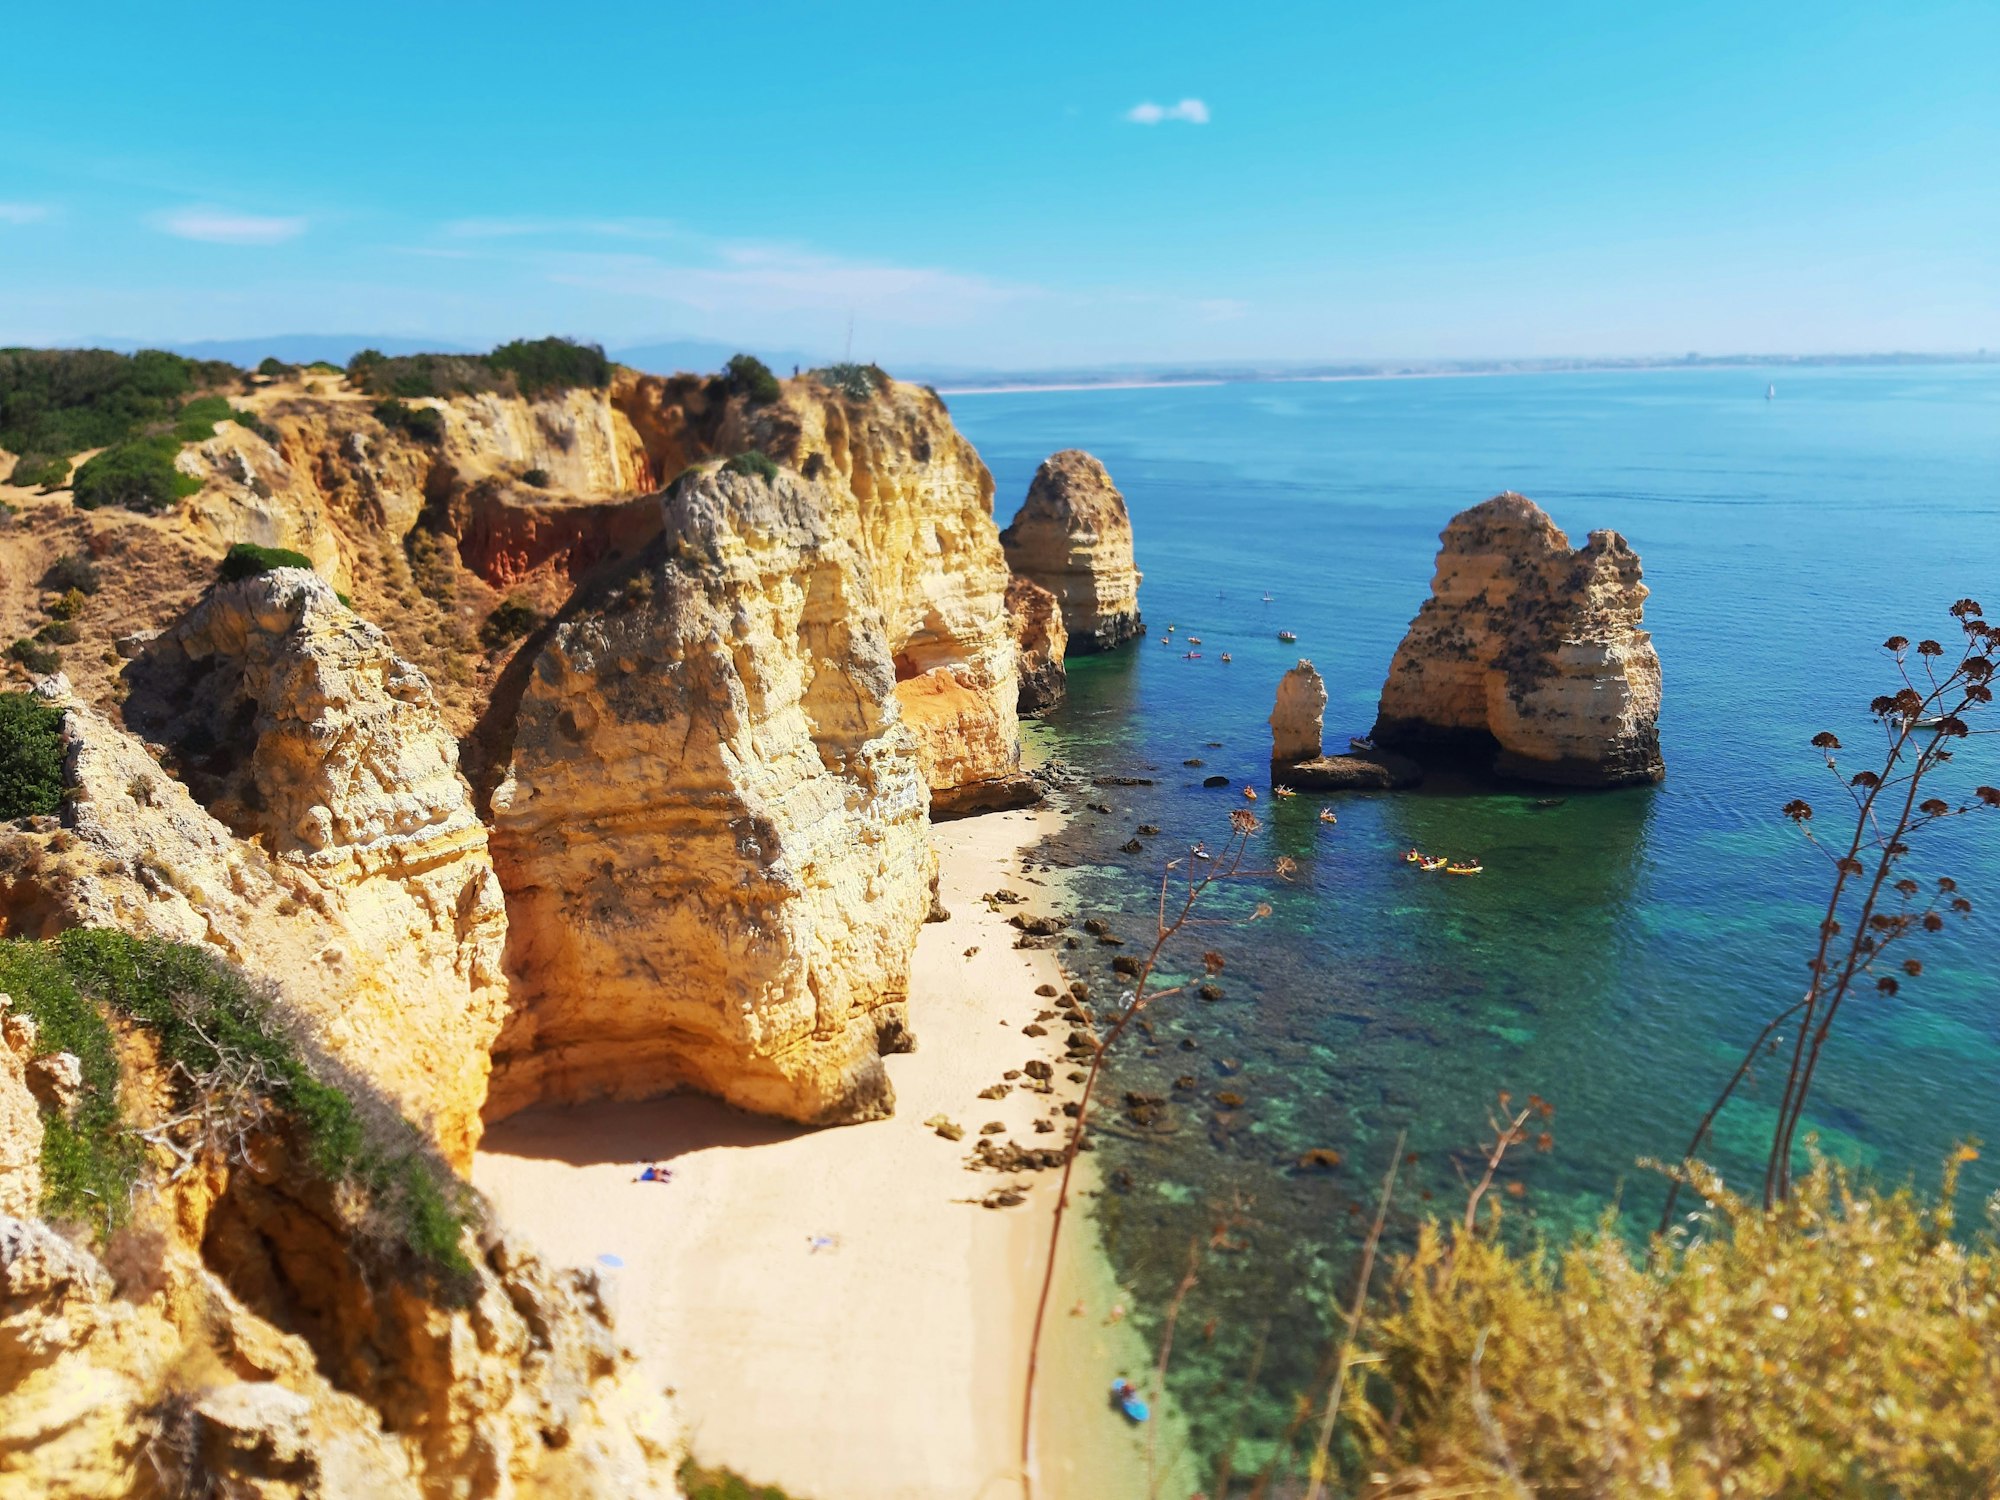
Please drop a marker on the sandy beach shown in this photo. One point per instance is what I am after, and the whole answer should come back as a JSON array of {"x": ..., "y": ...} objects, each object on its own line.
[{"x": 833, "y": 1310}]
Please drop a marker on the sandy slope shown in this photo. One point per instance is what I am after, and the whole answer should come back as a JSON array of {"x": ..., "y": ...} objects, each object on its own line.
[{"x": 883, "y": 1364}]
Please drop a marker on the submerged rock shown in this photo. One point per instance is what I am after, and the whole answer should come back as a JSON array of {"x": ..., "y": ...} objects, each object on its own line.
[
  {"x": 1072, "y": 536},
  {"x": 1528, "y": 655}
]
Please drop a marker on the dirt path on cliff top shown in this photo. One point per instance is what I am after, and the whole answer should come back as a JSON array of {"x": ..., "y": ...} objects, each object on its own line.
[{"x": 885, "y": 1363}]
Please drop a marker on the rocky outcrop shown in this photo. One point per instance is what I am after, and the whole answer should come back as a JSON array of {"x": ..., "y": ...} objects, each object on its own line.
[
  {"x": 1073, "y": 537},
  {"x": 20, "y": 1116},
  {"x": 712, "y": 828},
  {"x": 912, "y": 494},
  {"x": 1297, "y": 719},
  {"x": 1040, "y": 639},
  {"x": 1529, "y": 655}
]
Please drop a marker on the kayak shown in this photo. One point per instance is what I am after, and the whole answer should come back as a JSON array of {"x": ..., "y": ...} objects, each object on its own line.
[
  {"x": 1128, "y": 1401},
  {"x": 1474, "y": 868}
]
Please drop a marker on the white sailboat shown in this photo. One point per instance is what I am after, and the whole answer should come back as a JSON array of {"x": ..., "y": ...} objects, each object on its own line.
[{"x": 1770, "y": 391}]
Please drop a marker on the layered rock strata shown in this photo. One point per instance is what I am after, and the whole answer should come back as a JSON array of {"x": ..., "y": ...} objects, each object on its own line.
[
  {"x": 712, "y": 830},
  {"x": 317, "y": 832},
  {"x": 1529, "y": 655},
  {"x": 1072, "y": 536},
  {"x": 1297, "y": 759},
  {"x": 904, "y": 483},
  {"x": 1042, "y": 641}
]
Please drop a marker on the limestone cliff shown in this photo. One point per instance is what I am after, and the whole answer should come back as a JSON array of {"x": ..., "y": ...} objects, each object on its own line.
[
  {"x": 1073, "y": 537},
  {"x": 1529, "y": 654},
  {"x": 1298, "y": 717},
  {"x": 712, "y": 831},
  {"x": 912, "y": 494},
  {"x": 1040, "y": 639}
]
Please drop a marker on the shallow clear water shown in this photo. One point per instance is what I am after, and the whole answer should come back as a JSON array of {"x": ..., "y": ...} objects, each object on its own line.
[{"x": 1621, "y": 947}]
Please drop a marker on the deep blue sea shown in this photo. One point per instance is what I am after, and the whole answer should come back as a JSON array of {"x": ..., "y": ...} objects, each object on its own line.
[{"x": 1622, "y": 947}]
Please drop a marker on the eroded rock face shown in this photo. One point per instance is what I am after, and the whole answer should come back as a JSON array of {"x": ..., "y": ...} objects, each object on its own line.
[
  {"x": 1297, "y": 719},
  {"x": 1529, "y": 655},
  {"x": 1041, "y": 640},
  {"x": 912, "y": 494},
  {"x": 1073, "y": 537},
  {"x": 712, "y": 832},
  {"x": 294, "y": 725}
]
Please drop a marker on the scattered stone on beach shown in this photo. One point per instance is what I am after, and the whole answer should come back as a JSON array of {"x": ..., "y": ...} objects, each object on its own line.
[
  {"x": 992, "y": 1127},
  {"x": 995, "y": 1091},
  {"x": 1033, "y": 942},
  {"x": 1006, "y": 897},
  {"x": 1007, "y": 1197},
  {"x": 1038, "y": 926},
  {"x": 972, "y": 950},
  {"x": 945, "y": 1127},
  {"x": 1011, "y": 1074},
  {"x": 1079, "y": 988},
  {"x": 1034, "y": 1028},
  {"x": 1044, "y": 1127},
  {"x": 1037, "y": 1070},
  {"x": 1046, "y": 989},
  {"x": 1215, "y": 781},
  {"x": 1077, "y": 1077}
]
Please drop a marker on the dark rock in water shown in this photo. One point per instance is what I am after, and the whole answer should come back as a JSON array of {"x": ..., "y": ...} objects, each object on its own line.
[
  {"x": 1078, "y": 987},
  {"x": 1099, "y": 807},
  {"x": 1215, "y": 781},
  {"x": 1319, "y": 1159},
  {"x": 1111, "y": 940},
  {"x": 1121, "y": 781},
  {"x": 1375, "y": 771},
  {"x": 1127, "y": 965},
  {"x": 1133, "y": 846},
  {"x": 1000, "y": 794},
  {"x": 1210, "y": 992},
  {"x": 1148, "y": 830},
  {"x": 1229, "y": 1099},
  {"x": 1197, "y": 761},
  {"x": 1040, "y": 926},
  {"x": 1096, "y": 927}
]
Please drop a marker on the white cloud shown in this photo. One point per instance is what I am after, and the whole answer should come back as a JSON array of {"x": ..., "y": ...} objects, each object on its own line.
[
  {"x": 23, "y": 213},
  {"x": 219, "y": 227},
  {"x": 617, "y": 229},
  {"x": 1189, "y": 111},
  {"x": 751, "y": 279}
]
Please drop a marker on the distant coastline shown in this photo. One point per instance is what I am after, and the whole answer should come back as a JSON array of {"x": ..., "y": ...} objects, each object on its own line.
[{"x": 980, "y": 384}]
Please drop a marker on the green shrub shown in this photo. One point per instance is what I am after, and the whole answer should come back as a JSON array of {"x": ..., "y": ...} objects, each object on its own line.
[
  {"x": 536, "y": 478},
  {"x": 513, "y": 619},
  {"x": 216, "y": 1033},
  {"x": 59, "y": 633},
  {"x": 31, "y": 760},
  {"x": 39, "y": 471},
  {"x": 753, "y": 463},
  {"x": 247, "y": 560},
  {"x": 276, "y": 368},
  {"x": 856, "y": 382},
  {"x": 700, "y": 1483},
  {"x": 746, "y": 375},
  {"x": 424, "y": 423},
  {"x": 69, "y": 604},
  {"x": 62, "y": 401},
  {"x": 72, "y": 573},
  {"x": 36, "y": 657},
  {"x": 543, "y": 366},
  {"x": 1840, "y": 1344},
  {"x": 135, "y": 475}
]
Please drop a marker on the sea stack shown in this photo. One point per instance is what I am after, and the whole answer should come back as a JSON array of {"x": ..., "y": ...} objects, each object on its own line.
[
  {"x": 1072, "y": 536},
  {"x": 1297, "y": 760},
  {"x": 1529, "y": 656},
  {"x": 1039, "y": 636}
]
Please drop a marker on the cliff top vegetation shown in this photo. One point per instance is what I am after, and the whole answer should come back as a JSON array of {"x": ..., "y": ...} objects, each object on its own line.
[{"x": 526, "y": 367}]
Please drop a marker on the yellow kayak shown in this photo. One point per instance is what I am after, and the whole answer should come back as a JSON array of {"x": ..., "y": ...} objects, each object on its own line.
[{"x": 1470, "y": 869}]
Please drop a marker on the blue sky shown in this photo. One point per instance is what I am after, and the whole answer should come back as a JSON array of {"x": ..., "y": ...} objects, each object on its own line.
[{"x": 1013, "y": 185}]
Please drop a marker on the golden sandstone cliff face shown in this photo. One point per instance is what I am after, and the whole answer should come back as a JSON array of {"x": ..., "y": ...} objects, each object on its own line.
[
  {"x": 1530, "y": 654},
  {"x": 916, "y": 500},
  {"x": 1073, "y": 537},
  {"x": 1039, "y": 637},
  {"x": 1298, "y": 718},
  {"x": 298, "y": 728},
  {"x": 712, "y": 832}
]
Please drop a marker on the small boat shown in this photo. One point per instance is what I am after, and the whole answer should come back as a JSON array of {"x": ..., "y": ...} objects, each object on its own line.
[
  {"x": 1326, "y": 815},
  {"x": 1225, "y": 656},
  {"x": 1360, "y": 742},
  {"x": 1249, "y": 794},
  {"x": 1283, "y": 791},
  {"x": 1191, "y": 656},
  {"x": 1430, "y": 864},
  {"x": 1412, "y": 857},
  {"x": 1194, "y": 640},
  {"x": 1470, "y": 867},
  {"x": 1770, "y": 391},
  {"x": 1125, "y": 1396},
  {"x": 1928, "y": 721},
  {"x": 1287, "y": 636},
  {"x": 1267, "y": 598}
]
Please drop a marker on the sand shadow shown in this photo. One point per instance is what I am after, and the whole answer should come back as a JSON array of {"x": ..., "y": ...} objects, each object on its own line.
[{"x": 652, "y": 1130}]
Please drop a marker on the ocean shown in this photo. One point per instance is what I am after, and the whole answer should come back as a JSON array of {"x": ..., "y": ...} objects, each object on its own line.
[{"x": 1622, "y": 947}]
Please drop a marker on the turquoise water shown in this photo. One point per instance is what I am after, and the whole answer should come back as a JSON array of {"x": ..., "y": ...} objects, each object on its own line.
[{"x": 1622, "y": 947}]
